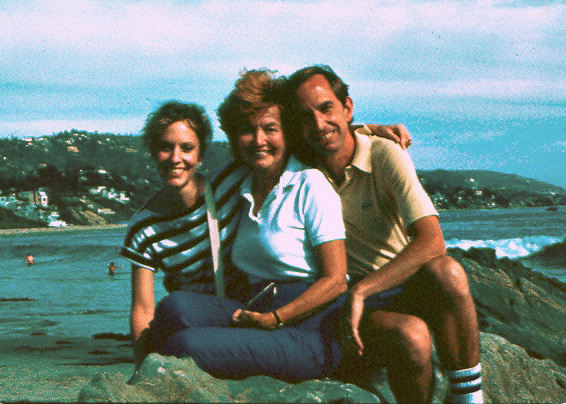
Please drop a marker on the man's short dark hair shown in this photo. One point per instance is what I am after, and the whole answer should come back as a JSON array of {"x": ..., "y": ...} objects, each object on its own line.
[{"x": 339, "y": 88}]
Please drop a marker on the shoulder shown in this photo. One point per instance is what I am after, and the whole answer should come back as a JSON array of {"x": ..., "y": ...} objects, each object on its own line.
[
  {"x": 230, "y": 173},
  {"x": 138, "y": 223},
  {"x": 305, "y": 176},
  {"x": 388, "y": 155},
  {"x": 149, "y": 208},
  {"x": 381, "y": 147}
]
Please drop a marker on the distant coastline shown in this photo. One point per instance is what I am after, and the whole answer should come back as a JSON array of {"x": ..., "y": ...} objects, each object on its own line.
[{"x": 60, "y": 229}]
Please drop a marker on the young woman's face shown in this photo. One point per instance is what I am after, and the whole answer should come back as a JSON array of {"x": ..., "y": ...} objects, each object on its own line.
[
  {"x": 178, "y": 154},
  {"x": 261, "y": 143}
]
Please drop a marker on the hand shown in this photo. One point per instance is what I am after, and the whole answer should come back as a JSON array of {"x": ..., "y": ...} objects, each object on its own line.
[
  {"x": 398, "y": 133},
  {"x": 253, "y": 319},
  {"x": 348, "y": 326}
]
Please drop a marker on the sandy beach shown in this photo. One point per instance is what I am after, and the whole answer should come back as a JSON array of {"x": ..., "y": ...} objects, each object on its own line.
[
  {"x": 60, "y": 229},
  {"x": 44, "y": 368}
]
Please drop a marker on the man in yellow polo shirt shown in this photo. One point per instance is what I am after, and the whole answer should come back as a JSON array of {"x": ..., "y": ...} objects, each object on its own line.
[{"x": 404, "y": 288}]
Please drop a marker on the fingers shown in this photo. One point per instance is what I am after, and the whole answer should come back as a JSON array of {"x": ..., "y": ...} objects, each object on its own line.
[
  {"x": 397, "y": 133},
  {"x": 245, "y": 318},
  {"x": 405, "y": 138},
  {"x": 236, "y": 315},
  {"x": 348, "y": 336},
  {"x": 355, "y": 317},
  {"x": 358, "y": 340}
]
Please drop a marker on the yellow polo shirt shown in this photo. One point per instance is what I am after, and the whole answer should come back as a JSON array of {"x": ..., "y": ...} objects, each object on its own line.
[{"x": 381, "y": 196}]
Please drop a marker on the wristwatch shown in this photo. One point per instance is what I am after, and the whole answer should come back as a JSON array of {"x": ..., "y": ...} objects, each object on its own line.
[{"x": 277, "y": 319}]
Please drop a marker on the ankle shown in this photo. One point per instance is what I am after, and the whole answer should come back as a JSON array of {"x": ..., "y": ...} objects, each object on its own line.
[{"x": 465, "y": 385}]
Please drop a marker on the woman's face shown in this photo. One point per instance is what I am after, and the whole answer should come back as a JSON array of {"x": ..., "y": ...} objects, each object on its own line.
[
  {"x": 178, "y": 154},
  {"x": 261, "y": 144}
]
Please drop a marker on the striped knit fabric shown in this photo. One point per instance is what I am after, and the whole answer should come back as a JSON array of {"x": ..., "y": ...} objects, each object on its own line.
[{"x": 179, "y": 245}]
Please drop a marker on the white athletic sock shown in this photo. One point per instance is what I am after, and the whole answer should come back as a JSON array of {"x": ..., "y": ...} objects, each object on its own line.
[{"x": 465, "y": 385}]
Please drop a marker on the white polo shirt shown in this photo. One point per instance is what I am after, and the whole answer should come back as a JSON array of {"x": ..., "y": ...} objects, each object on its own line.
[{"x": 301, "y": 212}]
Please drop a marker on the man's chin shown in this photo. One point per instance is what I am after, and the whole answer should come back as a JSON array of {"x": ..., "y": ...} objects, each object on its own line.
[{"x": 324, "y": 149}]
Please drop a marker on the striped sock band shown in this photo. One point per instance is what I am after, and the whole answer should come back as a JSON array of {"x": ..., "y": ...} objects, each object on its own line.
[{"x": 465, "y": 385}]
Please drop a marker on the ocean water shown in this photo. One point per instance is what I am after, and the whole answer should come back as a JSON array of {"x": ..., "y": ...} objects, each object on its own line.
[{"x": 68, "y": 291}]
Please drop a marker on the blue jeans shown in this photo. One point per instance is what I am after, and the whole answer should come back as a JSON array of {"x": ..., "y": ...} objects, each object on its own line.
[{"x": 188, "y": 324}]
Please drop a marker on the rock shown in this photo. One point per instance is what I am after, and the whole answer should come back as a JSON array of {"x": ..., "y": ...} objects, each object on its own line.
[
  {"x": 511, "y": 375},
  {"x": 159, "y": 379},
  {"x": 554, "y": 255},
  {"x": 525, "y": 307},
  {"x": 168, "y": 379}
]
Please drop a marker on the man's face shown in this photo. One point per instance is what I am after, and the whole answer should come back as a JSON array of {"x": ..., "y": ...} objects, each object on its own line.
[{"x": 324, "y": 119}]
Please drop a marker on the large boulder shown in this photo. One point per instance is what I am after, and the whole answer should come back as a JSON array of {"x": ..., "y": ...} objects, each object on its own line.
[
  {"x": 510, "y": 375},
  {"x": 168, "y": 379},
  {"x": 522, "y": 305}
]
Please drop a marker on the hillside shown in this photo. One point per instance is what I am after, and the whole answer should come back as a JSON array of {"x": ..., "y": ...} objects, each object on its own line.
[
  {"x": 488, "y": 179},
  {"x": 97, "y": 178}
]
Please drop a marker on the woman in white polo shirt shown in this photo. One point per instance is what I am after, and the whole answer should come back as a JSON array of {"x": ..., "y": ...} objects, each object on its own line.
[{"x": 290, "y": 242}]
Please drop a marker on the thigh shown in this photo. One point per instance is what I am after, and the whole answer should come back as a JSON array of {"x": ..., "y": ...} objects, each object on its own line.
[
  {"x": 197, "y": 309},
  {"x": 180, "y": 310},
  {"x": 388, "y": 334},
  {"x": 418, "y": 298},
  {"x": 288, "y": 353}
]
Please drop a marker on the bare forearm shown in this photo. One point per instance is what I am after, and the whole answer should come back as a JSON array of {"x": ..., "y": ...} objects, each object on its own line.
[
  {"x": 417, "y": 253},
  {"x": 319, "y": 293},
  {"x": 141, "y": 338},
  {"x": 142, "y": 311}
]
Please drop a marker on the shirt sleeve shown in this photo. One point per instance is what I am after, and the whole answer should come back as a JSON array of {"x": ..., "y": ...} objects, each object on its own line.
[
  {"x": 322, "y": 210},
  {"x": 136, "y": 247},
  {"x": 397, "y": 172}
]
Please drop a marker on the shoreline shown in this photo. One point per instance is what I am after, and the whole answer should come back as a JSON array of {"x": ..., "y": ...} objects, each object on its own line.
[{"x": 34, "y": 230}]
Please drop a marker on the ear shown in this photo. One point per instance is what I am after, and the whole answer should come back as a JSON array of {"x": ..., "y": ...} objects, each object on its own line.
[{"x": 349, "y": 109}]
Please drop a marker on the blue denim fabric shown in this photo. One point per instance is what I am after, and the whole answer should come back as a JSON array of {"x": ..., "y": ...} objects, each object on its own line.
[{"x": 197, "y": 325}]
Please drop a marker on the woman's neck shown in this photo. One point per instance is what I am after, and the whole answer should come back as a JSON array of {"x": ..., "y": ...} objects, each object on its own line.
[
  {"x": 263, "y": 182},
  {"x": 190, "y": 192},
  {"x": 180, "y": 199}
]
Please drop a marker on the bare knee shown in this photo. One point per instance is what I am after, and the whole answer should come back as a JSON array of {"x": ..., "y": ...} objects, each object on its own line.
[
  {"x": 407, "y": 341},
  {"x": 449, "y": 276},
  {"x": 416, "y": 339}
]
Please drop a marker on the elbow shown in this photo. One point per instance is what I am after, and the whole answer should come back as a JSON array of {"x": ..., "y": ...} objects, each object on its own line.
[
  {"x": 341, "y": 286},
  {"x": 438, "y": 247}
]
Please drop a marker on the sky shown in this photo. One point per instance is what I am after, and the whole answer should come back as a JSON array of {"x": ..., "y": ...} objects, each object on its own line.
[{"x": 479, "y": 84}]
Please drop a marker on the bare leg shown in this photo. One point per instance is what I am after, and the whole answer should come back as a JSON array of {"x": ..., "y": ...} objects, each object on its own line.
[
  {"x": 403, "y": 344},
  {"x": 442, "y": 297}
]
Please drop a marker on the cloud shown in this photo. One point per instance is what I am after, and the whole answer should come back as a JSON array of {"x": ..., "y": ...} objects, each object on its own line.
[
  {"x": 469, "y": 72},
  {"x": 174, "y": 38}
]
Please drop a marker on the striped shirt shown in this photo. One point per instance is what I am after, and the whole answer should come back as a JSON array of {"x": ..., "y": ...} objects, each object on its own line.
[{"x": 179, "y": 244}]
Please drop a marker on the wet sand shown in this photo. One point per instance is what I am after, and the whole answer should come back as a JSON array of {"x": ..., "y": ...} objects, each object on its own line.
[
  {"x": 46, "y": 368},
  {"x": 60, "y": 229}
]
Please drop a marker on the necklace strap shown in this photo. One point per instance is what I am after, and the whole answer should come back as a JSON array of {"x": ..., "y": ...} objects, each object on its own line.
[{"x": 214, "y": 234}]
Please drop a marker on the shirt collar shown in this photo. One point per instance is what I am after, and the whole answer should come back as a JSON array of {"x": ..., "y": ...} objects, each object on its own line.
[
  {"x": 362, "y": 152},
  {"x": 285, "y": 181}
]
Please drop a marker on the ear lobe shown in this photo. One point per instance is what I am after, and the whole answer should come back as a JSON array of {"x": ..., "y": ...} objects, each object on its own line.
[{"x": 349, "y": 108}]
